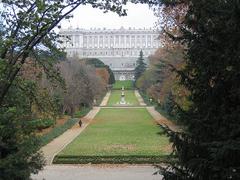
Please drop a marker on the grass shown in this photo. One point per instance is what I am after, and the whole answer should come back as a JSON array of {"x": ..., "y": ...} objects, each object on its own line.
[
  {"x": 115, "y": 98},
  {"x": 128, "y": 85},
  {"x": 118, "y": 136}
]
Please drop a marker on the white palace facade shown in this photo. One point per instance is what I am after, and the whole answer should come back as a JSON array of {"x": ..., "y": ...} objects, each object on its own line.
[{"x": 117, "y": 48}]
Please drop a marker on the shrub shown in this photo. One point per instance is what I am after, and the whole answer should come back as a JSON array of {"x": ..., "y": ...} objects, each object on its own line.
[
  {"x": 82, "y": 112},
  {"x": 41, "y": 123}
]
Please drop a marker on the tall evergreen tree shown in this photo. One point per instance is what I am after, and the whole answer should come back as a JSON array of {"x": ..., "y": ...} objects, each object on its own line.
[
  {"x": 209, "y": 148},
  {"x": 140, "y": 66}
]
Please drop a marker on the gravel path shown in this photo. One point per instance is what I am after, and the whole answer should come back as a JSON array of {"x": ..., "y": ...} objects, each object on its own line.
[
  {"x": 161, "y": 119},
  {"x": 55, "y": 146},
  {"x": 88, "y": 172},
  {"x": 105, "y": 99},
  {"x": 140, "y": 99}
]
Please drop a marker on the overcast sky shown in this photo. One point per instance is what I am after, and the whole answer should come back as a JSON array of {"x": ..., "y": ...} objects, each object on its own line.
[{"x": 139, "y": 16}]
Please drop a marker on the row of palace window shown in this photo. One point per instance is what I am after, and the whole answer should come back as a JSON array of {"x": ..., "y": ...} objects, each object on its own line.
[
  {"x": 138, "y": 45},
  {"x": 106, "y": 53},
  {"x": 118, "y": 38},
  {"x": 118, "y": 53},
  {"x": 125, "y": 65}
]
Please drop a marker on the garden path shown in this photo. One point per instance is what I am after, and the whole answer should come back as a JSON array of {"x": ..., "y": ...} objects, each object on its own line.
[
  {"x": 161, "y": 119},
  {"x": 105, "y": 99},
  {"x": 55, "y": 146},
  {"x": 140, "y": 99},
  {"x": 98, "y": 172}
]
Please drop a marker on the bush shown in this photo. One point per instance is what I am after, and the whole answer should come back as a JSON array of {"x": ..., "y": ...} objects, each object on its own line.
[
  {"x": 168, "y": 104},
  {"x": 82, "y": 112},
  {"x": 56, "y": 131},
  {"x": 41, "y": 123}
]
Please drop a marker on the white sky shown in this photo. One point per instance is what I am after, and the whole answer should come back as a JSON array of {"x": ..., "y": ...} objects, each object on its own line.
[{"x": 139, "y": 16}]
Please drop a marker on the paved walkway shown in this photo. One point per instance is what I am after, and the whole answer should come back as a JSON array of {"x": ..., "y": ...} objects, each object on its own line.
[
  {"x": 161, "y": 119},
  {"x": 55, "y": 146},
  {"x": 93, "y": 172},
  {"x": 140, "y": 99},
  {"x": 122, "y": 107},
  {"x": 105, "y": 99}
]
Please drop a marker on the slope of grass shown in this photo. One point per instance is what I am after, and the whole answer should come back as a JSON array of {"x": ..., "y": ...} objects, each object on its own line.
[
  {"x": 118, "y": 136},
  {"x": 115, "y": 98},
  {"x": 128, "y": 85}
]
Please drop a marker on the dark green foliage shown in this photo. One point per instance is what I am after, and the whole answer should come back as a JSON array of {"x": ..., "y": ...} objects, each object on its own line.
[
  {"x": 57, "y": 131},
  {"x": 209, "y": 149},
  {"x": 18, "y": 145},
  {"x": 111, "y": 76},
  {"x": 169, "y": 104},
  {"x": 140, "y": 66},
  {"x": 40, "y": 124},
  {"x": 95, "y": 62},
  {"x": 82, "y": 112}
]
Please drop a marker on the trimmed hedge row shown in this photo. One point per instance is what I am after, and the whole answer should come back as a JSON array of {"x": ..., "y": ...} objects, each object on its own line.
[
  {"x": 41, "y": 123},
  {"x": 57, "y": 131},
  {"x": 61, "y": 159}
]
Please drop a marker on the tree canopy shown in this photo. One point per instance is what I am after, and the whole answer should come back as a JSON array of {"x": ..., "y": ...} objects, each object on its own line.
[
  {"x": 209, "y": 148},
  {"x": 27, "y": 33}
]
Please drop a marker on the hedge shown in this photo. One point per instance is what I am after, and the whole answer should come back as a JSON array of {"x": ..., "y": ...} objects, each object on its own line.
[
  {"x": 63, "y": 159},
  {"x": 41, "y": 123},
  {"x": 82, "y": 113}
]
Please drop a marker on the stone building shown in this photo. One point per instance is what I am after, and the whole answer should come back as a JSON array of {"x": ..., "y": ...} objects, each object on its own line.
[{"x": 117, "y": 48}]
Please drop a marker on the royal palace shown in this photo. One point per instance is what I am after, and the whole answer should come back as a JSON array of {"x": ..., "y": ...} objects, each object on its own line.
[{"x": 117, "y": 48}]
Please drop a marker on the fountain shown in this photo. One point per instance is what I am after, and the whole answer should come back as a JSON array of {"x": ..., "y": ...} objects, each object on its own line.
[{"x": 122, "y": 102}]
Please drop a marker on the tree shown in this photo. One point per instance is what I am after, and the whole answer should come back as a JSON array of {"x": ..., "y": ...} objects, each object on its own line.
[
  {"x": 209, "y": 148},
  {"x": 82, "y": 85},
  {"x": 18, "y": 143},
  {"x": 28, "y": 28},
  {"x": 140, "y": 66},
  {"x": 111, "y": 79},
  {"x": 99, "y": 64}
]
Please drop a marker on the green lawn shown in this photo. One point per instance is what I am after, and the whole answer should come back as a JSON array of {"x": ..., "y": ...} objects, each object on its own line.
[
  {"x": 115, "y": 98},
  {"x": 118, "y": 136},
  {"x": 128, "y": 84}
]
